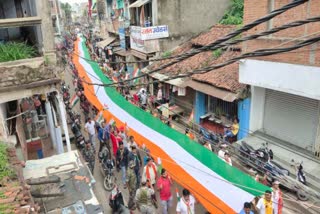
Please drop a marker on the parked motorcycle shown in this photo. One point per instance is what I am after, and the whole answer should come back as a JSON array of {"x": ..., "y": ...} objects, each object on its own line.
[
  {"x": 80, "y": 140},
  {"x": 206, "y": 135},
  {"x": 75, "y": 118},
  {"x": 301, "y": 176},
  {"x": 257, "y": 157},
  {"x": 107, "y": 167}
]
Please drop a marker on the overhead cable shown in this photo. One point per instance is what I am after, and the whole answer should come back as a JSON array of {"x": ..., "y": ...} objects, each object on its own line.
[
  {"x": 213, "y": 46},
  {"x": 257, "y": 53}
]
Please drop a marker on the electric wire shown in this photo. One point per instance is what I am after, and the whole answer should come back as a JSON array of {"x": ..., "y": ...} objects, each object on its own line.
[
  {"x": 246, "y": 187},
  {"x": 213, "y": 46},
  {"x": 230, "y": 43},
  {"x": 256, "y": 53},
  {"x": 231, "y": 182}
]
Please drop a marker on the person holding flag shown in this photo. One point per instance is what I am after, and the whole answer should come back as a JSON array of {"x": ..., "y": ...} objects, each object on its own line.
[
  {"x": 186, "y": 203},
  {"x": 164, "y": 186}
]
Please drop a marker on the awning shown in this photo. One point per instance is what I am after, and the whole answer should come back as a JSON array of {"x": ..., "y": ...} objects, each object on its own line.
[
  {"x": 122, "y": 52},
  {"x": 139, "y": 54},
  {"x": 138, "y": 3},
  {"x": 176, "y": 82},
  {"x": 211, "y": 90},
  {"x": 105, "y": 42}
]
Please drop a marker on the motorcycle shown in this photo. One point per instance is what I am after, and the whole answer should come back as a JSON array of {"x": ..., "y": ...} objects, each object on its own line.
[
  {"x": 108, "y": 167},
  {"x": 76, "y": 118},
  {"x": 65, "y": 92},
  {"x": 116, "y": 202},
  {"x": 252, "y": 156},
  {"x": 301, "y": 176},
  {"x": 206, "y": 135},
  {"x": 80, "y": 140}
]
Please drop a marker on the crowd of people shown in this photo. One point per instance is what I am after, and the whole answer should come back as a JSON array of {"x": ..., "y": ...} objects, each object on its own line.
[
  {"x": 142, "y": 177},
  {"x": 139, "y": 175}
]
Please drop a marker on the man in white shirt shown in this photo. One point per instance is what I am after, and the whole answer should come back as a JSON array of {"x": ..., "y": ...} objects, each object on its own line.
[
  {"x": 90, "y": 128},
  {"x": 222, "y": 151},
  {"x": 265, "y": 204},
  {"x": 144, "y": 99},
  {"x": 186, "y": 203}
]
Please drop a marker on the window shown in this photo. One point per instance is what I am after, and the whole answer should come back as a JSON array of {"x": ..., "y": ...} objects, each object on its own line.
[{"x": 221, "y": 108}]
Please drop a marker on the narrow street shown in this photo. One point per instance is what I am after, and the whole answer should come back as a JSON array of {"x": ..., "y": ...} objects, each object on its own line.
[
  {"x": 223, "y": 94},
  {"x": 100, "y": 192}
]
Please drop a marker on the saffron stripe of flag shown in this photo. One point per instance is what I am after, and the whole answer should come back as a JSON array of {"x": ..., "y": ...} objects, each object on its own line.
[{"x": 74, "y": 100}]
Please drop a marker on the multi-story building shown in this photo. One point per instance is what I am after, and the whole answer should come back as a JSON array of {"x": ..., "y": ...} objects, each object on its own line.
[
  {"x": 285, "y": 95},
  {"x": 148, "y": 28},
  {"x": 56, "y": 16},
  {"x": 31, "y": 109}
]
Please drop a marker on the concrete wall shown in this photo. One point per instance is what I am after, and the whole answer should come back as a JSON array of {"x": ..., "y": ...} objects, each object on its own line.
[
  {"x": 47, "y": 31},
  {"x": 187, "y": 18},
  {"x": 3, "y": 123},
  {"x": 258, "y": 95},
  {"x": 300, "y": 80}
]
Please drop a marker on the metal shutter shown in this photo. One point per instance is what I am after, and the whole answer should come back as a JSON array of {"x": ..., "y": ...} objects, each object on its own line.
[{"x": 291, "y": 118}]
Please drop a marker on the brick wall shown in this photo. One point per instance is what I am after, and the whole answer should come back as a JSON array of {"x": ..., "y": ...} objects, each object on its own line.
[{"x": 310, "y": 55}]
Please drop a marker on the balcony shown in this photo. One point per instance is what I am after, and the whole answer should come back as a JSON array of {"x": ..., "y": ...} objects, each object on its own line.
[
  {"x": 20, "y": 22},
  {"x": 27, "y": 73}
]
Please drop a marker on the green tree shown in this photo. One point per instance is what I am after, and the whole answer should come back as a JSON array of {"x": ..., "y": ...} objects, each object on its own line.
[{"x": 234, "y": 15}]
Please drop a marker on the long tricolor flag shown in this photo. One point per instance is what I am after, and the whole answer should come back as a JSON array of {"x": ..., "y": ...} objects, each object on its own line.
[
  {"x": 219, "y": 187},
  {"x": 74, "y": 100}
]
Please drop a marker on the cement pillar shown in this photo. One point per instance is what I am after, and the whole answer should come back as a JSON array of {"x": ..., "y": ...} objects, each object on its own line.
[
  {"x": 60, "y": 149},
  {"x": 58, "y": 16},
  {"x": 51, "y": 124},
  {"x": 64, "y": 122},
  {"x": 47, "y": 31}
]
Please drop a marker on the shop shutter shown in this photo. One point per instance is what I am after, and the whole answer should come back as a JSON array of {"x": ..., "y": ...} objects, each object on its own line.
[{"x": 291, "y": 118}]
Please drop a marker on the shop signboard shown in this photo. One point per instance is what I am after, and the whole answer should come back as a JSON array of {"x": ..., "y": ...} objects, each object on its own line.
[
  {"x": 137, "y": 43},
  {"x": 154, "y": 32}
]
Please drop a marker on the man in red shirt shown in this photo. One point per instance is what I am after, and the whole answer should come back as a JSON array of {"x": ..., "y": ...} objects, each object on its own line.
[{"x": 164, "y": 186}]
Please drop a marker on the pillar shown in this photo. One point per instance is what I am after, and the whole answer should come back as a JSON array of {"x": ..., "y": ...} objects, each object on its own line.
[
  {"x": 60, "y": 149},
  {"x": 64, "y": 122},
  {"x": 51, "y": 124},
  {"x": 200, "y": 106}
]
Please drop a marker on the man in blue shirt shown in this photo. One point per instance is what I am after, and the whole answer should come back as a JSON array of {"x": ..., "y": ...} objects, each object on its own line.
[{"x": 246, "y": 208}]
